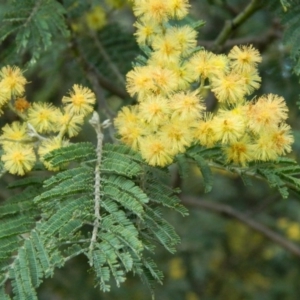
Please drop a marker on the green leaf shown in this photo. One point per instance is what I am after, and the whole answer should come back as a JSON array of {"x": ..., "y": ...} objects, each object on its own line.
[{"x": 31, "y": 28}]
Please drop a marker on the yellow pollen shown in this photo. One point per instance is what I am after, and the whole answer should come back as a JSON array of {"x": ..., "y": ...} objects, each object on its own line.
[
  {"x": 245, "y": 57},
  {"x": 239, "y": 148},
  {"x": 156, "y": 148},
  {"x": 43, "y": 115},
  {"x": 155, "y": 108},
  {"x": 18, "y": 157},
  {"x": 77, "y": 100},
  {"x": 176, "y": 135}
]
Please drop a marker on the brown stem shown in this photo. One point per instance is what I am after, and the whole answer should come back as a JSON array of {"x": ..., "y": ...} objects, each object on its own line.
[
  {"x": 228, "y": 211},
  {"x": 259, "y": 42},
  {"x": 105, "y": 55}
]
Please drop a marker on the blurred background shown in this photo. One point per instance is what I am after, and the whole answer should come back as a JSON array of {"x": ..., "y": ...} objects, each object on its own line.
[{"x": 220, "y": 257}]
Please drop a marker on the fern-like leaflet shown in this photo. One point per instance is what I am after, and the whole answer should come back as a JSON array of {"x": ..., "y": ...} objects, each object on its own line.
[
  {"x": 282, "y": 174},
  {"x": 53, "y": 220},
  {"x": 32, "y": 24}
]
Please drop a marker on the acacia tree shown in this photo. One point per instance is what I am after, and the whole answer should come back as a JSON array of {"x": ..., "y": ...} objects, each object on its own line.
[{"x": 152, "y": 104}]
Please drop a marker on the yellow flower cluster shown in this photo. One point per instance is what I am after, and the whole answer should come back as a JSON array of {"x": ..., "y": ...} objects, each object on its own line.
[
  {"x": 170, "y": 115},
  {"x": 96, "y": 18},
  {"x": 22, "y": 140}
]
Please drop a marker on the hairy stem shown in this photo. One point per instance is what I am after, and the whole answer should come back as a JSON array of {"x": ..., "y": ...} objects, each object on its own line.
[{"x": 95, "y": 122}]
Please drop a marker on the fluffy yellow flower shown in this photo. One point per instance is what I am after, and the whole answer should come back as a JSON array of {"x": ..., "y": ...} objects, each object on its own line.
[
  {"x": 205, "y": 131},
  {"x": 187, "y": 106},
  {"x": 268, "y": 111},
  {"x": 229, "y": 128},
  {"x": 128, "y": 115},
  {"x": 178, "y": 9},
  {"x": 219, "y": 64},
  {"x": 200, "y": 64},
  {"x": 96, "y": 18},
  {"x": 282, "y": 139},
  {"x": 139, "y": 81},
  {"x": 129, "y": 126},
  {"x": 239, "y": 152},
  {"x": 155, "y": 110},
  {"x": 18, "y": 159},
  {"x": 184, "y": 76},
  {"x": 166, "y": 48},
  {"x": 80, "y": 100},
  {"x": 229, "y": 88},
  {"x": 47, "y": 146},
  {"x": 244, "y": 58},
  {"x": 5, "y": 94},
  {"x": 43, "y": 117},
  {"x": 150, "y": 80},
  {"x": 177, "y": 134},
  {"x": 164, "y": 81},
  {"x": 131, "y": 135},
  {"x": 14, "y": 132},
  {"x": 252, "y": 80},
  {"x": 185, "y": 37},
  {"x": 155, "y": 10},
  {"x": 156, "y": 151},
  {"x": 12, "y": 80},
  {"x": 263, "y": 147},
  {"x": 146, "y": 30},
  {"x": 72, "y": 123},
  {"x": 238, "y": 110}
]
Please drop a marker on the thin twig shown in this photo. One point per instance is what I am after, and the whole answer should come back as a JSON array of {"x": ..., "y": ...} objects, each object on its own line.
[
  {"x": 231, "y": 9},
  {"x": 228, "y": 211},
  {"x": 106, "y": 57},
  {"x": 264, "y": 204},
  {"x": 33, "y": 12},
  {"x": 248, "y": 172},
  {"x": 259, "y": 42},
  {"x": 91, "y": 75},
  {"x": 231, "y": 25},
  {"x": 88, "y": 67}
]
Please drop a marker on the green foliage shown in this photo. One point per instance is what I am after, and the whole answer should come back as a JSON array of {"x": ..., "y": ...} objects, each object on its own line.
[
  {"x": 112, "y": 49},
  {"x": 281, "y": 174},
  {"x": 33, "y": 25},
  {"x": 289, "y": 14},
  {"x": 51, "y": 221},
  {"x": 201, "y": 156}
]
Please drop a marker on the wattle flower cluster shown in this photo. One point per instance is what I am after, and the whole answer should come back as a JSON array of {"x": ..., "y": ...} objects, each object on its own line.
[
  {"x": 169, "y": 87},
  {"x": 43, "y": 128}
]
